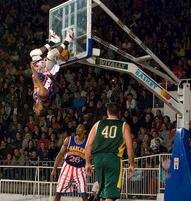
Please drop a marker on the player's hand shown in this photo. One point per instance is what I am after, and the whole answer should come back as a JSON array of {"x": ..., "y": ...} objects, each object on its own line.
[
  {"x": 34, "y": 72},
  {"x": 131, "y": 171},
  {"x": 89, "y": 169},
  {"x": 53, "y": 174},
  {"x": 32, "y": 66}
]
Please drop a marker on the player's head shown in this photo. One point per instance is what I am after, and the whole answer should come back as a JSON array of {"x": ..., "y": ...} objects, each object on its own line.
[
  {"x": 38, "y": 107},
  {"x": 112, "y": 109},
  {"x": 80, "y": 130}
]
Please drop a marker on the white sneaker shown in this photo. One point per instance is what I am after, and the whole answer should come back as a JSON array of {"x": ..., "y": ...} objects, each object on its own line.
[
  {"x": 69, "y": 36},
  {"x": 54, "y": 37}
]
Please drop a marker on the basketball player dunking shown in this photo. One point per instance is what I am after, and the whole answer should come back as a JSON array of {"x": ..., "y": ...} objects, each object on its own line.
[{"x": 44, "y": 69}]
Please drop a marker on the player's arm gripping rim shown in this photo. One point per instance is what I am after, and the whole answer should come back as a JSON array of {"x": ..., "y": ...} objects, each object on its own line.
[
  {"x": 59, "y": 158},
  {"x": 88, "y": 150}
]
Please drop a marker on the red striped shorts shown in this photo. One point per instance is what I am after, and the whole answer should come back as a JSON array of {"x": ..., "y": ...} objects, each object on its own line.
[{"x": 69, "y": 175}]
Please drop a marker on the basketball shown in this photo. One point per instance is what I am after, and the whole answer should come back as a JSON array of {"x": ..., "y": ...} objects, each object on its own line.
[{"x": 64, "y": 56}]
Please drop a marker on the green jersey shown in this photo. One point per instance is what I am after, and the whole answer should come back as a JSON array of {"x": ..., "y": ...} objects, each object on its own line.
[{"x": 109, "y": 137}]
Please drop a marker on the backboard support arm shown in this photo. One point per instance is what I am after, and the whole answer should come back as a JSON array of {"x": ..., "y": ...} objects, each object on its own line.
[
  {"x": 137, "y": 40},
  {"x": 141, "y": 77},
  {"x": 133, "y": 59}
]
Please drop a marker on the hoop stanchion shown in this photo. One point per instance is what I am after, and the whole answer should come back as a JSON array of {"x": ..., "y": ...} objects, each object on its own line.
[{"x": 178, "y": 187}]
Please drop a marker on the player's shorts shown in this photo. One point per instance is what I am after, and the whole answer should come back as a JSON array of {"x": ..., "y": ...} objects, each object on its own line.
[
  {"x": 45, "y": 65},
  {"x": 50, "y": 64},
  {"x": 69, "y": 175},
  {"x": 40, "y": 65},
  {"x": 52, "y": 58},
  {"x": 108, "y": 169}
]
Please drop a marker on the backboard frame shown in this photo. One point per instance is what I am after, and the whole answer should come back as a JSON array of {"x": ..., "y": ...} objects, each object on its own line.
[{"x": 88, "y": 51}]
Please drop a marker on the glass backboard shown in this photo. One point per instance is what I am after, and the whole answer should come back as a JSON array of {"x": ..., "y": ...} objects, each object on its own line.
[{"x": 74, "y": 15}]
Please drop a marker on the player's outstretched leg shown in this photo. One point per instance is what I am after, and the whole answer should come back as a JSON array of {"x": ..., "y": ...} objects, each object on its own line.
[
  {"x": 37, "y": 53},
  {"x": 54, "y": 37},
  {"x": 69, "y": 36},
  {"x": 59, "y": 52}
]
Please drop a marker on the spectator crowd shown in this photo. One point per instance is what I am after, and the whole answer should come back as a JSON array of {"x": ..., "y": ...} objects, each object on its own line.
[{"x": 25, "y": 139}]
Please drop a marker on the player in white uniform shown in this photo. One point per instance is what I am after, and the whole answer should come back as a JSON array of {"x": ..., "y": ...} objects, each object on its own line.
[
  {"x": 73, "y": 169},
  {"x": 44, "y": 68},
  {"x": 49, "y": 63}
]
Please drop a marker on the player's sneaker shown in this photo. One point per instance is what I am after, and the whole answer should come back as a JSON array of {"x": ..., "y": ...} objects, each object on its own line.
[
  {"x": 54, "y": 38},
  {"x": 69, "y": 36}
]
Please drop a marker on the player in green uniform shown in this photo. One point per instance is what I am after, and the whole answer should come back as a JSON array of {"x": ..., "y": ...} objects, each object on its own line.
[{"x": 105, "y": 147}]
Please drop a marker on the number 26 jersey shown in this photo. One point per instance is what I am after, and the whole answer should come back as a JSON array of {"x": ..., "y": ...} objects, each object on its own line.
[{"x": 76, "y": 153}]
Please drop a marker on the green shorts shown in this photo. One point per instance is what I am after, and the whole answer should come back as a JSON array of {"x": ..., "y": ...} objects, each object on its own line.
[{"x": 108, "y": 169}]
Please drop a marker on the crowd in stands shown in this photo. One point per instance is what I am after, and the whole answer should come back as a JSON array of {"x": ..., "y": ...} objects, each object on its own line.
[{"x": 25, "y": 139}]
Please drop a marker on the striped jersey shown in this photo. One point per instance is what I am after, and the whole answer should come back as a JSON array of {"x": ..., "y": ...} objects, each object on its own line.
[
  {"x": 76, "y": 153},
  {"x": 48, "y": 84}
]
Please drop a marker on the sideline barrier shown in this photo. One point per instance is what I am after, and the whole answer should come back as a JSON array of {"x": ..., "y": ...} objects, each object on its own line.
[{"x": 34, "y": 181}]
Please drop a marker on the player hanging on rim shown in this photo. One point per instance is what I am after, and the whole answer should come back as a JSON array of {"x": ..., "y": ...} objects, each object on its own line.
[{"x": 43, "y": 69}]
